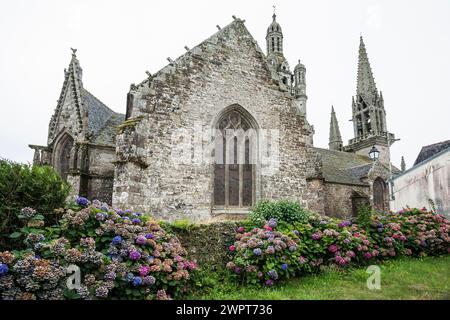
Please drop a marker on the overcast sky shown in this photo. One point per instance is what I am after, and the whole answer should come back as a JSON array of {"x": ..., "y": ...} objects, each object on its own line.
[{"x": 408, "y": 44}]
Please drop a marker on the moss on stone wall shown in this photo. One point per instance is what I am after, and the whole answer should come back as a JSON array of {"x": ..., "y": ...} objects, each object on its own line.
[{"x": 207, "y": 243}]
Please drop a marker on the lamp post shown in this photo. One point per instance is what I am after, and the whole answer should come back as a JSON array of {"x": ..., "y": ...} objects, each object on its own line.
[{"x": 374, "y": 153}]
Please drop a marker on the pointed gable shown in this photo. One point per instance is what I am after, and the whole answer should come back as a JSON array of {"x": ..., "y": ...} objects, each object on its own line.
[{"x": 80, "y": 112}]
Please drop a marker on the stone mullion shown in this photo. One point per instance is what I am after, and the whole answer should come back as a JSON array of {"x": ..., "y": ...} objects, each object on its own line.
[{"x": 241, "y": 161}]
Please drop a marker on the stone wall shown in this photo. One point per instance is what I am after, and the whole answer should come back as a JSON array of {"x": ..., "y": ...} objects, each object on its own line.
[
  {"x": 338, "y": 198},
  {"x": 207, "y": 243},
  {"x": 186, "y": 97}
]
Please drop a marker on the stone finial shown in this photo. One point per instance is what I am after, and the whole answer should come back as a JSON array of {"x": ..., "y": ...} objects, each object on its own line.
[
  {"x": 148, "y": 73},
  {"x": 74, "y": 51},
  {"x": 234, "y": 17},
  {"x": 186, "y": 48},
  {"x": 218, "y": 27},
  {"x": 170, "y": 61},
  {"x": 403, "y": 164}
]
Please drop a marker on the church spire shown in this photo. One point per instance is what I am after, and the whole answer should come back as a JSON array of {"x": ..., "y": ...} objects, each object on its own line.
[
  {"x": 366, "y": 87},
  {"x": 335, "y": 140}
]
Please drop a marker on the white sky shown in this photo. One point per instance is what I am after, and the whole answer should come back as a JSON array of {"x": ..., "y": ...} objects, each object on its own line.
[{"x": 408, "y": 44}]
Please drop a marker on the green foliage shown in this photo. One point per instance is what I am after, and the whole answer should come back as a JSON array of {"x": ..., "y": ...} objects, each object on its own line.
[
  {"x": 23, "y": 185},
  {"x": 284, "y": 211},
  {"x": 364, "y": 215}
]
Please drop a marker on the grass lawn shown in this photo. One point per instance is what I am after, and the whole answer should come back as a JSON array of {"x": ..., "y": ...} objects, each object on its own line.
[{"x": 426, "y": 278}]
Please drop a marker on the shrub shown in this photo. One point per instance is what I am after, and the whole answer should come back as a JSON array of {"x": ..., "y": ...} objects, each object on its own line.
[
  {"x": 284, "y": 211},
  {"x": 121, "y": 255},
  {"x": 279, "y": 251},
  {"x": 21, "y": 185}
]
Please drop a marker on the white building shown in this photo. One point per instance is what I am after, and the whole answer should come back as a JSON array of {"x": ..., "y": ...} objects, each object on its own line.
[{"x": 427, "y": 183}]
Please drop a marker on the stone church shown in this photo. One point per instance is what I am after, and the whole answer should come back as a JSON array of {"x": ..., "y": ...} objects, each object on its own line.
[{"x": 217, "y": 130}]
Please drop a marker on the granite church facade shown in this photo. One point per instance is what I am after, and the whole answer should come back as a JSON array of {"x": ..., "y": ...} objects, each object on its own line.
[{"x": 217, "y": 130}]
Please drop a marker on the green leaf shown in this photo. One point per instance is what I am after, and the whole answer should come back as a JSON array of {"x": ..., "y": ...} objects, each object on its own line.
[
  {"x": 38, "y": 217},
  {"x": 15, "y": 235}
]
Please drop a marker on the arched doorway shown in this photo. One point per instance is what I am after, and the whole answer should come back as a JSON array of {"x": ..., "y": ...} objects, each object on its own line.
[
  {"x": 379, "y": 189},
  {"x": 235, "y": 145},
  {"x": 62, "y": 156}
]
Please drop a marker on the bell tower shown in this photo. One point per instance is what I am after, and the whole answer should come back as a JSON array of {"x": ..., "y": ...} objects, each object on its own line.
[{"x": 368, "y": 113}]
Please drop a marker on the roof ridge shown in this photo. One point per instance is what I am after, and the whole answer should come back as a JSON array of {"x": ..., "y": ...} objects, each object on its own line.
[{"x": 173, "y": 63}]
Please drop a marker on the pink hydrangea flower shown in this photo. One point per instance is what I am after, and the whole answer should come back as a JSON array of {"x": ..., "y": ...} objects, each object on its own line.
[
  {"x": 143, "y": 271},
  {"x": 333, "y": 248}
]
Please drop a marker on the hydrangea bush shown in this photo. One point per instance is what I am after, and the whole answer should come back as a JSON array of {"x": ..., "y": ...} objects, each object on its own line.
[
  {"x": 121, "y": 255},
  {"x": 263, "y": 255}
]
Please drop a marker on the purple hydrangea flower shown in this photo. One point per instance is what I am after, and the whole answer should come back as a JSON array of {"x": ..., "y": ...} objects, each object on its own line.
[
  {"x": 257, "y": 251},
  {"x": 82, "y": 201},
  {"x": 150, "y": 259},
  {"x": 116, "y": 240},
  {"x": 296, "y": 232},
  {"x": 316, "y": 236},
  {"x": 100, "y": 216},
  {"x": 272, "y": 223},
  {"x": 120, "y": 212},
  {"x": 136, "y": 221},
  {"x": 134, "y": 255},
  {"x": 269, "y": 283},
  {"x": 149, "y": 235},
  {"x": 141, "y": 240},
  {"x": 138, "y": 214},
  {"x": 149, "y": 280}
]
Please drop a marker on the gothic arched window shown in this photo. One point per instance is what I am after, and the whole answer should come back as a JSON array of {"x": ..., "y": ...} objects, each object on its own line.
[
  {"x": 379, "y": 189},
  {"x": 235, "y": 160},
  {"x": 62, "y": 159}
]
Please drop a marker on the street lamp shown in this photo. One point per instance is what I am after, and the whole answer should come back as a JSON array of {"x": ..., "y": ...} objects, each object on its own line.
[{"x": 374, "y": 154}]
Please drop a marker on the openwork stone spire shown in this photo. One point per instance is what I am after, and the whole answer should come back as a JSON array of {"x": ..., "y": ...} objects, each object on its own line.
[
  {"x": 366, "y": 87},
  {"x": 335, "y": 140}
]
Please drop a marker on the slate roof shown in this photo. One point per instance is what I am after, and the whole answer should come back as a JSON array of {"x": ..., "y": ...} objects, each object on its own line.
[
  {"x": 430, "y": 150},
  {"x": 344, "y": 167},
  {"x": 102, "y": 121}
]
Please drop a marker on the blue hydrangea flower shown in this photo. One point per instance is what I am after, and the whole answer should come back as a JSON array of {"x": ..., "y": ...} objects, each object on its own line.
[
  {"x": 149, "y": 236},
  {"x": 257, "y": 251},
  {"x": 272, "y": 223},
  {"x": 3, "y": 269},
  {"x": 116, "y": 240},
  {"x": 137, "y": 281},
  {"x": 82, "y": 201},
  {"x": 129, "y": 277},
  {"x": 136, "y": 221},
  {"x": 273, "y": 274},
  {"x": 150, "y": 259},
  {"x": 284, "y": 266}
]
